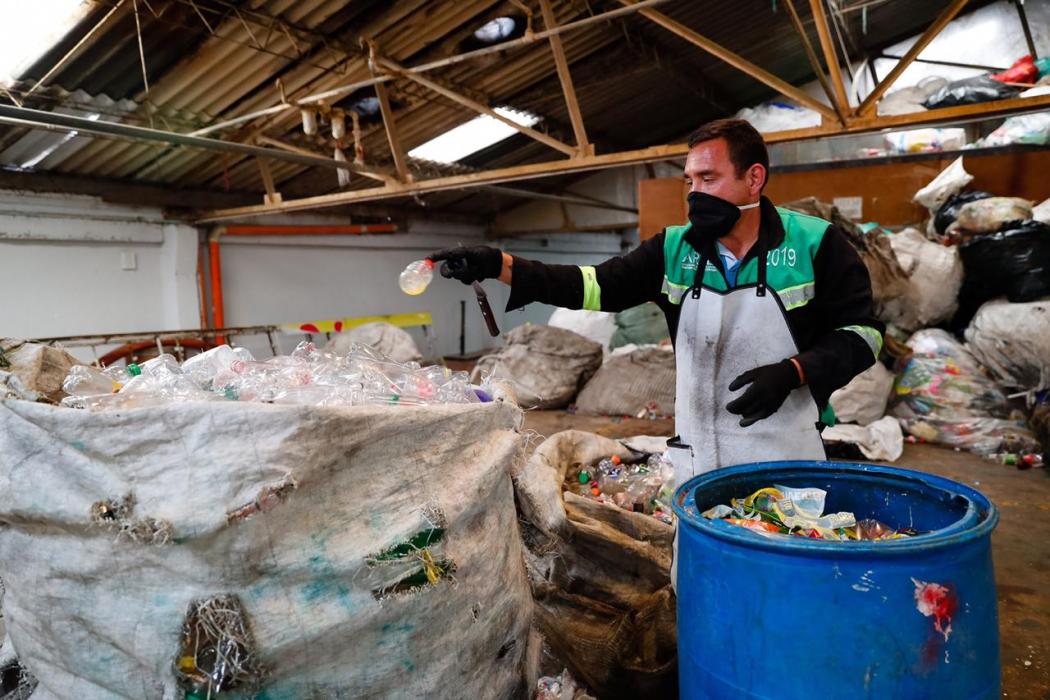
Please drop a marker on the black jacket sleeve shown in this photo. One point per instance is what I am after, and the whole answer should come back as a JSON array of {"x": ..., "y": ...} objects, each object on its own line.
[
  {"x": 848, "y": 337},
  {"x": 617, "y": 284}
]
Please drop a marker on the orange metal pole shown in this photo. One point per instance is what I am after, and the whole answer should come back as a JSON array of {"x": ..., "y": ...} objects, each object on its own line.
[
  {"x": 355, "y": 229},
  {"x": 202, "y": 284},
  {"x": 218, "y": 314}
]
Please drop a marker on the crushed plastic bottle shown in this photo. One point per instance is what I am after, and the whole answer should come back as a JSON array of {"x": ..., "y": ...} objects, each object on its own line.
[
  {"x": 415, "y": 278},
  {"x": 83, "y": 380},
  {"x": 206, "y": 367},
  {"x": 643, "y": 487}
]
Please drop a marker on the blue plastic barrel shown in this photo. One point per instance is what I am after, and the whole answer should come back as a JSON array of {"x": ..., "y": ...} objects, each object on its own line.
[{"x": 790, "y": 617}]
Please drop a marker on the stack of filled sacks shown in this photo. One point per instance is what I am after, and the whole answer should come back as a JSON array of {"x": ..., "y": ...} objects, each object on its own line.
[{"x": 637, "y": 377}]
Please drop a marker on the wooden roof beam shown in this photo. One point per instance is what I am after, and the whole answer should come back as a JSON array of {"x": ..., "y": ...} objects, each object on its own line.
[
  {"x": 396, "y": 68},
  {"x": 949, "y": 13},
  {"x": 831, "y": 58},
  {"x": 334, "y": 94},
  {"x": 610, "y": 160},
  {"x": 562, "y": 65},
  {"x": 736, "y": 60},
  {"x": 371, "y": 172},
  {"x": 814, "y": 62},
  {"x": 392, "y": 136}
]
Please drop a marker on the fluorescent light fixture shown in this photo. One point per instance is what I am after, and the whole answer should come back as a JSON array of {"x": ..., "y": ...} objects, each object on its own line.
[
  {"x": 30, "y": 29},
  {"x": 39, "y": 157},
  {"x": 480, "y": 132},
  {"x": 496, "y": 30}
]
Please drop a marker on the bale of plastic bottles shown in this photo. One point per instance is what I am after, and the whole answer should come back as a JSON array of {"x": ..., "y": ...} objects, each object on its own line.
[{"x": 308, "y": 526}]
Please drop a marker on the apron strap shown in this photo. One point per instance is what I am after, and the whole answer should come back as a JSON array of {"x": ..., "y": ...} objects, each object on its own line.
[
  {"x": 700, "y": 270},
  {"x": 762, "y": 255},
  {"x": 762, "y": 258}
]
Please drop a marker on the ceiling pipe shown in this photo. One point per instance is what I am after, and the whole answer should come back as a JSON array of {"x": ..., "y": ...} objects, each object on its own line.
[
  {"x": 349, "y": 230},
  {"x": 52, "y": 121},
  {"x": 218, "y": 309}
]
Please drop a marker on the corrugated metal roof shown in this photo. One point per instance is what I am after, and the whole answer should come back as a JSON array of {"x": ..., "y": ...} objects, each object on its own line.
[
  {"x": 42, "y": 150},
  {"x": 211, "y": 60}
]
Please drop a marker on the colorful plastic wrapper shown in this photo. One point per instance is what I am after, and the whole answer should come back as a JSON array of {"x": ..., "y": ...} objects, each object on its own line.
[
  {"x": 942, "y": 395},
  {"x": 561, "y": 687},
  {"x": 777, "y": 511}
]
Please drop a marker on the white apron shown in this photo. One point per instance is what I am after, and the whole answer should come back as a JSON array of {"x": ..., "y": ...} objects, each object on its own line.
[{"x": 720, "y": 336}]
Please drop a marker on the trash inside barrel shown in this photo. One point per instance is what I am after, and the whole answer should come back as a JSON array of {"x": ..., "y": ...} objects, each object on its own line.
[{"x": 765, "y": 614}]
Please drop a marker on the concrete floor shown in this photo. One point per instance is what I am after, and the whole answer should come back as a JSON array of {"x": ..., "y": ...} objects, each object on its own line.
[{"x": 1020, "y": 545}]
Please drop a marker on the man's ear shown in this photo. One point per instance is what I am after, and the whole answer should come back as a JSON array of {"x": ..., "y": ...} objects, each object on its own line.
[{"x": 756, "y": 178}]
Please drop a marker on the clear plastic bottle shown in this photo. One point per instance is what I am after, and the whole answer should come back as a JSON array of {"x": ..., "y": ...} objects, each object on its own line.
[
  {"x": 415, "y": 278},
  {"x": 83, "y": 380}
]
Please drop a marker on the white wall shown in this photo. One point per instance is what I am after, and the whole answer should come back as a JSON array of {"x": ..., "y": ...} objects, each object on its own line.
[
  {"x": 616, "y": 186},
  {"x": 612, "y": 232},
  {"x": 61, "y": 268}
]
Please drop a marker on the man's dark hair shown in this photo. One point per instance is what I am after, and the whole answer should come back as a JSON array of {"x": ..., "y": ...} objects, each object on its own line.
[{"x": 746, "y": 146}]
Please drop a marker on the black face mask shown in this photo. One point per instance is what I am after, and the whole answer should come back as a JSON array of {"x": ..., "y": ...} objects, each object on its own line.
[{"x": 713, "y": 216}]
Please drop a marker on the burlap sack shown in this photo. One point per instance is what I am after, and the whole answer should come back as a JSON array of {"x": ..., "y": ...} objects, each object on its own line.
[
  {"x": 546, "y": 366},
  {"x": 600, "y": 575}
]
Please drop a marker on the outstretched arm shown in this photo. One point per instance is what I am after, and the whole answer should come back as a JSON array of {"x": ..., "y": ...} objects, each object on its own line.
[{"x": 614, "y": 285}]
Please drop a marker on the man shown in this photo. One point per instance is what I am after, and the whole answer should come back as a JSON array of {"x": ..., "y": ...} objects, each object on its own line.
[{"x": 770, "y": 310}]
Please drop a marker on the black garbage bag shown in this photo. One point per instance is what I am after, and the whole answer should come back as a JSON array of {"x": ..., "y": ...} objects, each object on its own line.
[
  {"x": 970, "y": 91},
  {"x": 1014, "y": 263},
  {"x": 949, "y": 211}
]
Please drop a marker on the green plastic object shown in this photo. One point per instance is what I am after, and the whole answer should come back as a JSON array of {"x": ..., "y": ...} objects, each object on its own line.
[
  {"x": 421, "y": 540},
  {"x": 584, "y": 477},
  {"x": 134, "y": 370},
  {"x": 1043, "y": 66},
  {"x": 641, "y": 325},
  {"x": 870, "y": 226}
]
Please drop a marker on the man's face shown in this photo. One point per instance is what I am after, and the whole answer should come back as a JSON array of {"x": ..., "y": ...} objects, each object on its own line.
[{"x": 708, "y": 169}]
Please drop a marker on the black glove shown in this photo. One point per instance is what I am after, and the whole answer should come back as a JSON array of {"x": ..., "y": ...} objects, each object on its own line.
[
  {"x": 770, "y": 386},
  {"x": 470, "y": 265}
]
